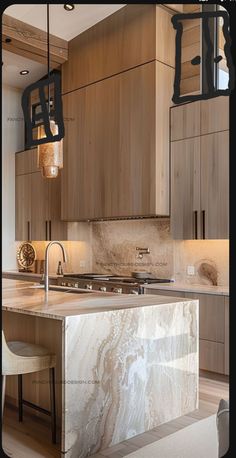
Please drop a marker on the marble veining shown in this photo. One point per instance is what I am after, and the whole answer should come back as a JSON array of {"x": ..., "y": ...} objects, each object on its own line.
[{"x": 142, "y": 365}]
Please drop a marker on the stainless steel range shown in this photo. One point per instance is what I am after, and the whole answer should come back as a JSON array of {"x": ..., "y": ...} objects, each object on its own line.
[{"x": 108, "y": 283}]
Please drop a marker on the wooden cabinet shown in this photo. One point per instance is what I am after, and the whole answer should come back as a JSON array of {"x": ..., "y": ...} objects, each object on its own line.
[
  {"x": 185, "y": 189},
  {"x": 214, "y": 115},
  {"x": 211, "y": 356},
  {"x": 226, "y": 335},
  {"x": 185, "y": 121},
  {"x": 37, "y": 202},
  {"x": 116, "y": 146},
  {"x": 132, "y": 36},
  {"x": 23, "y": 207},
  {"x": 215, "y": 185},
  {"x": 199, "y": 177},
  {"x": 199, "y": 118},
  {"x": 213, "y": 328}
]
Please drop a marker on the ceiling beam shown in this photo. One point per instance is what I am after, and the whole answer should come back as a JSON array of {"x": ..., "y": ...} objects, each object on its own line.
[{"x": 31, "y": 42}]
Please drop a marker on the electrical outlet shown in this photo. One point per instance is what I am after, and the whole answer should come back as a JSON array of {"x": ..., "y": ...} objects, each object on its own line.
[
  {"x": 82, "y": 263},
  {"x": 190, "y": 270}
]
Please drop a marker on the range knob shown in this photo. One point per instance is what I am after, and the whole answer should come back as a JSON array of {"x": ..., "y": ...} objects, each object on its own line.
[
  {"x": 102, "y": 288},
  {"x": 88, "y": 286},
  {"x": 117, "y": 290},
  {"x": 76, "y": 285}
]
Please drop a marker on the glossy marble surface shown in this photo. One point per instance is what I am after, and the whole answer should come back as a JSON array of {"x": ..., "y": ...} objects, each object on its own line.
[{"x": 29, "y": 298}]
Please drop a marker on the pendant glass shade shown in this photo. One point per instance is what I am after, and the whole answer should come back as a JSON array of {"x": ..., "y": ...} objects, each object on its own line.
[{"x": 50, "y": 155}]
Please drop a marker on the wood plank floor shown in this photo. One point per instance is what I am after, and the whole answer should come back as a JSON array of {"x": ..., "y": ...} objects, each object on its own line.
[{"x": 32, "y": 438}]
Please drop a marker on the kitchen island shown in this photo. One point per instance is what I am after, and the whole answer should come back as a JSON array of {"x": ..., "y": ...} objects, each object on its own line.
[{"x": 125, "y": 364}]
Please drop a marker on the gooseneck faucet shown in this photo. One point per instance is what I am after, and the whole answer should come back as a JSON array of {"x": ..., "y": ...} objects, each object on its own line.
[{"x": 46, "y": 281}]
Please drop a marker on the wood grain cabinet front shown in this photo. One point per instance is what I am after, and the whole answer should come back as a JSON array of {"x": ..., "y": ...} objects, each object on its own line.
[
  {"x": 199, "y": 180},
  {"x": 23, "y": 207},
  {"x": 116, "y": 146},
  {"x": 38, "y": 202}
]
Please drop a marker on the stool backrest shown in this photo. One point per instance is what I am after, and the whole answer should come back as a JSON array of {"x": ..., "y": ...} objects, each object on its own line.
[{"x": 9, "y": 359}]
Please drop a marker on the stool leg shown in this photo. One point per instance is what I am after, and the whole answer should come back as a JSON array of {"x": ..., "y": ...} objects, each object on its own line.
[
  {"x": 20, "y": 404},
  {"x": 3, "y": 391},
  {"x": 53, "y": 403}
]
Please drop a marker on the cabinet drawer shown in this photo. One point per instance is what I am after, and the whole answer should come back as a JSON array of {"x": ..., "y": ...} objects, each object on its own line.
[
  {"x": 185, "y": 121},
  {"x": 211, "y": 356}
]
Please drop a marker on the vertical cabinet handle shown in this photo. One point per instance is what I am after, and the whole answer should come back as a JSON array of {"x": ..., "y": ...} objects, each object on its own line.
[
  {"x": 203, "y": 224},
  {"x": 50, "y": 230},
  {"x": 195, "y": 224},
  {"x": 46, "y": 230},
  {"x": 28, "y": 231}
]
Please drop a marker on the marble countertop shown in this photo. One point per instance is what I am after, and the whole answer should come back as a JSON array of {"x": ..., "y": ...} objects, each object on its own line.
[
  {"x": 24, "y": 297},
  {"x": 204, "y": 289}
]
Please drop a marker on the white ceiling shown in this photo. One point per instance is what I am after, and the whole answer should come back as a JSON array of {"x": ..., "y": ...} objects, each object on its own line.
[
  {"x": 13, "y": 64},
  {"x": 64, "y": 24}
]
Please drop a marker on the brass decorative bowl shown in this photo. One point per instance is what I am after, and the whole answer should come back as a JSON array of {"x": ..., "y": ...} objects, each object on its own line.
[{"x": 26, "y": 256}]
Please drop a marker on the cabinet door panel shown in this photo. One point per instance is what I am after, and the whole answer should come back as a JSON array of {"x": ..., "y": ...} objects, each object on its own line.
[
  {"x": 227, "y": 335},
  {"x": 215, "y": 185},
  {"x": 39, "y": 206},
  {"x": 211, "y": 357},
  {"x": 185, "y": 188},
  {"x": 211, "y": 316},
  {"x": 110, "y": 148},
  {"x": 214, "y": 114},
  {"x": 185, "y": 121},
  {"x": 23, "y": 207},
  {"x": 57, "y": 229}
]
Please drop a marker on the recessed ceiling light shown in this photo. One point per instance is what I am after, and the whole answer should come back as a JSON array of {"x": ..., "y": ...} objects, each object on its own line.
[
  {"x": 24, "y": 72},
  {"x": 69, "y": 7}
]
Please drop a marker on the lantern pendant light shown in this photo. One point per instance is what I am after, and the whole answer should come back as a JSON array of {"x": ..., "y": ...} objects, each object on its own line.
[{"x": 50, "y": 155}]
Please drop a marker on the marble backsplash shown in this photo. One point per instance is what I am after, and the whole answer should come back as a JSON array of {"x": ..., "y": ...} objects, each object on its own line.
[
  {"x": 114, "y": 251},
  {"x": 110, "y": 247}
]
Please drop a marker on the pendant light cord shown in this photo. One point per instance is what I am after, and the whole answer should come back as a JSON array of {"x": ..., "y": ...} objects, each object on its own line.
[{"x": 48, "y": 52}]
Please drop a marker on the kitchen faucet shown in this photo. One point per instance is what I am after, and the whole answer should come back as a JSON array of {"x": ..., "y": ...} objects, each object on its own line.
[{"x": 46, "y": 282}]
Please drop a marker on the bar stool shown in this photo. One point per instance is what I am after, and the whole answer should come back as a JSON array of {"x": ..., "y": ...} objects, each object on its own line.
[{"x": 20, "y": 358}]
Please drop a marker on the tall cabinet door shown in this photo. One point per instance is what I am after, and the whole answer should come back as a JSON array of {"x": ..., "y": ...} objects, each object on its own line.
[
  {"x": 57, "y": 229},
  {"x": 109, "y": 153},
  {"x": 23, "y": 207},
  {"x": 185, "y": 189},
  {"x": 215, "y": 185},
  {"x": 39, "y": 207}
]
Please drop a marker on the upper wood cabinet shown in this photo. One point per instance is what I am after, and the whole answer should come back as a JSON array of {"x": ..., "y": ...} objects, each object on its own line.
[
  {"x": 37, "y": 202},
  {"x": 214, "y": 115},
  {"x": 199, "y": 118},
  {"x": 185, "y": 121},
  {"x": 116, "y": 146},
  {"x": 200, "y": 171},
  {"x": 132, "y": 36}
]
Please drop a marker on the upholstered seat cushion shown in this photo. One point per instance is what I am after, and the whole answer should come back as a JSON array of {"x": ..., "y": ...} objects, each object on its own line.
[{"x": 24, "y": 358}]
